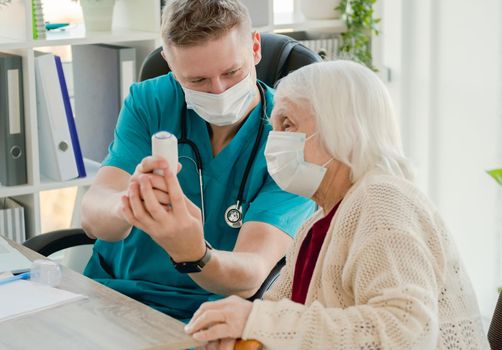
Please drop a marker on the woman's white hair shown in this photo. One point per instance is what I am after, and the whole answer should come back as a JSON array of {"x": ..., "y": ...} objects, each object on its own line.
[{"x": 354, "y": 115}]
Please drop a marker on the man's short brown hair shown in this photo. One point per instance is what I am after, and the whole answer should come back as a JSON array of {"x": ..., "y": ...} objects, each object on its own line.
[{"x": 191, "y": 22}]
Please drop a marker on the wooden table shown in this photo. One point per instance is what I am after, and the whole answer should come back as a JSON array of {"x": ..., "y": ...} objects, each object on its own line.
[{"x": 105, "y": 320}]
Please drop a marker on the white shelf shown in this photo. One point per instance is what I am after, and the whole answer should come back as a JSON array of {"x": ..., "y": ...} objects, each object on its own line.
[
  {"x": 13, "y": 191},
  {"x": 9, "y": 43},
  {"x": 48, "y": 184},
  {"x": 336, "y": 26},
  {"x": 76, "y": 35},
  {"x": 136, "y": 23},
  {"x": 91, "y": 168}
]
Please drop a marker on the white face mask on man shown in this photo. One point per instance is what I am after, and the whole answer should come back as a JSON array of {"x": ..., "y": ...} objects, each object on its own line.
[
  {"x": 286, "y": 163},
  {"x": 222, "y": 109}
]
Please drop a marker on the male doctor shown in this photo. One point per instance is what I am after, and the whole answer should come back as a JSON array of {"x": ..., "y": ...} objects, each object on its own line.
[{"x": 152, "y": 243}]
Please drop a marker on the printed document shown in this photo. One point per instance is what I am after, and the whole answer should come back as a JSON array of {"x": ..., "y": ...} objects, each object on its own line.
[{"x": 23, "y": 297}]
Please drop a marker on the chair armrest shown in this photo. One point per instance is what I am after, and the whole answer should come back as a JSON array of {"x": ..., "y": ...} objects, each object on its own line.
[
  {"x": 273, "y": 275},
  {"x": 248, "y": 345},
  {"x": 495, "y": 331},
  {"x": 54, "y": 241}
]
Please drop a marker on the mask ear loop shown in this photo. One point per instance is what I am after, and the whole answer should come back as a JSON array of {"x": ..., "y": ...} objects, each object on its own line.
[
  {"x": 311, "y": 136},
  {"x": 329, "y": 161}
]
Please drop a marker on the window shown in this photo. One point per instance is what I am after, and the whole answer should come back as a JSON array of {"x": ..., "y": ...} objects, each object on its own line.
[
  {"x": 284, "y": 6},
  {"x": 56, "y": 208},
  {"x": 284, "y": 11}
]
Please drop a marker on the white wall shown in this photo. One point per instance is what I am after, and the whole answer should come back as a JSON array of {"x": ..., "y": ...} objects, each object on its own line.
[{"x": 445, "y": 61}]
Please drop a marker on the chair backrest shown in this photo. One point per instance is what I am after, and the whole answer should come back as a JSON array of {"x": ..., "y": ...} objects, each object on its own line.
[
  {"x": 495, "y": 331},
  {"x": 74, "y": 240},
  {"x": 280, "y": 56}
]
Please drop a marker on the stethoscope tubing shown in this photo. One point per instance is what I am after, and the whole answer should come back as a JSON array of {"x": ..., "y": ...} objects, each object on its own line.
[{"x": 198, "y": 159}]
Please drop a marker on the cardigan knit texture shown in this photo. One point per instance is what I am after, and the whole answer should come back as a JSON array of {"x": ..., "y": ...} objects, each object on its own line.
[{"x": 388, "y": 277}]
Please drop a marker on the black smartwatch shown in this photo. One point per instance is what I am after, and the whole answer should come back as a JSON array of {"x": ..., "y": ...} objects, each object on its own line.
[{"x": 194, "y": 266}]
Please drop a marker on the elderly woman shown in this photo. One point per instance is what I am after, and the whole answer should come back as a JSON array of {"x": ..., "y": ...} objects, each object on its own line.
[{"x": 375, "y": 267}]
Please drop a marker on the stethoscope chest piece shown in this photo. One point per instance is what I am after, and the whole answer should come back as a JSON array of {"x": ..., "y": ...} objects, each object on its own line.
[{"x": 233, "y": 216}]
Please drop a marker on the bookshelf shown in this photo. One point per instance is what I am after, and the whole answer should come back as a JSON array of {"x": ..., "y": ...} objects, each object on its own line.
[{"x": 135, "y": 24}]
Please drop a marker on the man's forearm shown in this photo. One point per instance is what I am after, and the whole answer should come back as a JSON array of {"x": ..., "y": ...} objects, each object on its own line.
[
  {"x": 101, "y": 217},
  {"x": 232, "y": 273}
]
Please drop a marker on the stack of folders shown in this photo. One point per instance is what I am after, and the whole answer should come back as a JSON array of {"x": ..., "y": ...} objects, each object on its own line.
[
  {"x": 60, "y": 155},
  {"x": 102, "y": 76},
  {"x": 12, "y": 129},
  {"x": 12, "y": 220},
  {"x": 38, "y": 22}
]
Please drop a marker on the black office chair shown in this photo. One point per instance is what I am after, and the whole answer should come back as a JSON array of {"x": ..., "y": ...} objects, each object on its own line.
[
  {"x": 280, "y": 56},
  {"x": 495, "y": 331},
  {"x": 54, "y": 241}
]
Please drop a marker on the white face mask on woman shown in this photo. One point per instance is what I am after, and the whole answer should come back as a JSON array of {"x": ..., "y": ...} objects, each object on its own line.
[
  {"x": 286, "y": 163},
  {"x": 222, "y": 109}
]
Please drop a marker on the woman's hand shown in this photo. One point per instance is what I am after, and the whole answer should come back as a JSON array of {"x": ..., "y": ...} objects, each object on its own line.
[
  {"x": 145, "y": 169},
  {"x": 220, "y": 320}
]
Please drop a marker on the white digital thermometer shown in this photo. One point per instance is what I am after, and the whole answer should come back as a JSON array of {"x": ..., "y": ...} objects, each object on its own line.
[{"x": 165, "y": 145}]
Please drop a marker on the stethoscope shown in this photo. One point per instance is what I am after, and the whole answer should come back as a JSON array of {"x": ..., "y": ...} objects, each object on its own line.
[{"x": 233, "y": 214}]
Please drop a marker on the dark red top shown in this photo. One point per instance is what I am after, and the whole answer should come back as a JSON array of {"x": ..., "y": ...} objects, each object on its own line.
[{"x": 307, "y": 257}]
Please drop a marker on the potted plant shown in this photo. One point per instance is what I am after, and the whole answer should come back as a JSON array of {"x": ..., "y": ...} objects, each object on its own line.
[
  {"x": 494, "y": 330},
  {"x": 496, "y": 174},
  {"x": 361, "y": 24},
  {"x": 98, "y": 14}
]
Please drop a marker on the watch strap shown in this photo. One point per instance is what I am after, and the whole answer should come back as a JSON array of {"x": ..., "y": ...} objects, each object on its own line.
[{"x": 194, "y": 266}]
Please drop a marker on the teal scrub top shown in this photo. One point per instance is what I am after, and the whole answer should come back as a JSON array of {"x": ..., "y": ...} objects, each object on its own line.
[{"x": 137, "y": 266}]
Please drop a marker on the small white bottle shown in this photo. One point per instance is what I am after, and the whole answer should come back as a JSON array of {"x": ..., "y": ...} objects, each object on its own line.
[
  {"x": 46, "y": 272},
  {"x": 165, "y": 144}
]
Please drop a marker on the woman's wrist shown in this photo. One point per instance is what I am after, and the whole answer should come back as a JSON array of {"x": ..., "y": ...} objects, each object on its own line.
[{"x": 247, "y": 333}]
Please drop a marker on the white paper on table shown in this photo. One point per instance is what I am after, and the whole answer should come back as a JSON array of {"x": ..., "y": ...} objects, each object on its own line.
[
  {"x": 11, "y": 259},
  {"x": 24, "y": 297}
]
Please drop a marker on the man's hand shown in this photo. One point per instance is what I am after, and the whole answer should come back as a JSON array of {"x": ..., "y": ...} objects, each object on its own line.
[
  {"x": 146, "y": 168},
  {"x": 160, "y": 209}
]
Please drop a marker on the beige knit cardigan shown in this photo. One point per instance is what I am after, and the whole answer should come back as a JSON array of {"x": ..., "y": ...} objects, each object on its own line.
[{"x": 388, "y": 277}]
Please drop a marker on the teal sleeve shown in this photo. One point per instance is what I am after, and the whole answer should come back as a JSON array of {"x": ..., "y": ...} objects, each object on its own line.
[
  {"x": 131, "y": 142},
  {"x": 281, "y": 209}
]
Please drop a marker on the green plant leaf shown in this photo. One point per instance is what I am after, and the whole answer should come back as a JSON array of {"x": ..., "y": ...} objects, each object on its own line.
[
  {"x": 358, "y": 16},
  {"x": 496, "y": 174}
]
